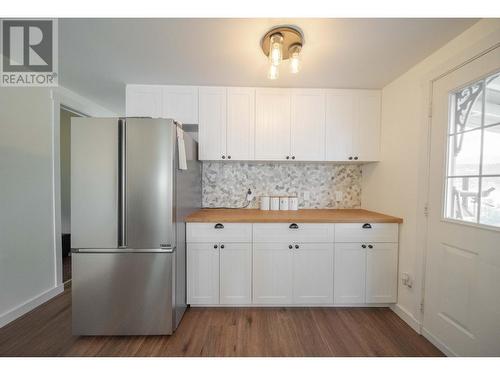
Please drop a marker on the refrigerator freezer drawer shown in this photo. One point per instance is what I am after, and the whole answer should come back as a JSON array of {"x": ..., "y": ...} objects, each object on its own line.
[{"x": 122, "y": 293}]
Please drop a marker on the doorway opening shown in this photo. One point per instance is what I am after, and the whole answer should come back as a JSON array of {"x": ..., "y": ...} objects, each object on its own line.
[{"x": 65, "y": 165}]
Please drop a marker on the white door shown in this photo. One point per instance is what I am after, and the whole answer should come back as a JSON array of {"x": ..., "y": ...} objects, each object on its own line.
[
  {"x": 203, "y": 273},
  {"x": 272, "y": 124},
  {"x": 313, "y": 273},
  {"x": 350, "y": 273},
  {"x": 240, "y": 123},
  {"x": 181, "y": 103},
  {"x": 143, "y": 101},
  {"x": 272, "y": 273},
  {"x": 235, "y": 273},
  {"x": 462, "y": 300},
  {"x": 381, "y": 272},
  {"x": 307, "y": 137},
  {"x": 340, "y": 124},
  {"x": 367, "y": 142},
  {"x": 212, "y": 123}
]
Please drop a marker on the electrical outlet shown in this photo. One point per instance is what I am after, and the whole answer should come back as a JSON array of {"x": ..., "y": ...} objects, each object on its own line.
[
  {"x": 249, "y": 195},
  {"x": 338, "y": 196},
  {"x": 406, "y": 280},
  {"x": 307, "y": 195}
]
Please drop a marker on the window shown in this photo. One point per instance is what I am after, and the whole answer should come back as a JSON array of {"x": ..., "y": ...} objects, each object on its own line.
[{"x": 473, "y": 167}]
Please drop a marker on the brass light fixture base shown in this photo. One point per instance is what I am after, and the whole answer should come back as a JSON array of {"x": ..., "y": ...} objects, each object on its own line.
[{"x": 292, "y": 35}]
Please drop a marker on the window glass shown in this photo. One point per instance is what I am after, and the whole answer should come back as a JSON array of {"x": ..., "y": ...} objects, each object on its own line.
[{"x": 492, "y": 105}]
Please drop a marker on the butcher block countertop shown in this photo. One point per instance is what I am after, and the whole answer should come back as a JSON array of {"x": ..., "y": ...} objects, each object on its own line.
[{"x": 215, "y": 215}]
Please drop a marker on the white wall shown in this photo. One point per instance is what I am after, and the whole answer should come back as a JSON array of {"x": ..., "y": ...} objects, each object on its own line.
[
  {"x": 28, "y": 219},
  {"x": 397, "y": 184}
]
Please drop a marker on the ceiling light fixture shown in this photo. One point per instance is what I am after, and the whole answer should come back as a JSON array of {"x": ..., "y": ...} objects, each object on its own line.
[{"x": 282, "y": 43}]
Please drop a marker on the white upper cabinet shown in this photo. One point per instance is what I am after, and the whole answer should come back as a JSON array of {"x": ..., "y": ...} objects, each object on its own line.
[
  {"x": 212, "y": 123},
  {"x": 368, "y": 141},
  {"x": 143, "y": 101},
  {"x": 272, "y": 124},
  {"x": 180, "y": 103},
  {"x": 240, "y": 123},
  {"x": 340, "y": 122},
  {"x": 307, "y": 135},
  {"x": 352, "y": 125}
]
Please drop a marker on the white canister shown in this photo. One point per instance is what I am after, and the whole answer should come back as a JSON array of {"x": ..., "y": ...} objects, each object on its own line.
[
  {"x": 283, "y": 203},
  {"x": 293, "y": 203},
  {"x": 275, "y": 203},
  {"x": 264, "y": 203}
]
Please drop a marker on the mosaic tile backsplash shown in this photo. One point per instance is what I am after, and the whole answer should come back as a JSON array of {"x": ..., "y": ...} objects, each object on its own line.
[{"x": 225, "y": 184}]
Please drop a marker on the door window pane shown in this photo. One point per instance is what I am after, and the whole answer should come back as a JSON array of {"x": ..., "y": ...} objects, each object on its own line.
[
  {"x": 462, "y": 198},
  {"x": 464, "y": 153},
  {"x": 468, "y": 108},
  {"x": 473, "y": 165},
  {"x": 490, "y": 201},
  {"x": 492, "y": 105},
  {"x": 491, "y": 150}
]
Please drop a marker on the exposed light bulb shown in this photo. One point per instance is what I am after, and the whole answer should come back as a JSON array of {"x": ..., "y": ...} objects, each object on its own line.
[
  {"x": 276, "y": 49},
  {"x": 273, "y": 72},
  {"x": 294, "y": 53}
]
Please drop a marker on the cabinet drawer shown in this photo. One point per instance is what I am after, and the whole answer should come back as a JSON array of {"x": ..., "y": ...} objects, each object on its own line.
[
  {"x": 218, "y": 232},
  {"x": 293, "y": 232},
  {"x": 366, "y": 232}
]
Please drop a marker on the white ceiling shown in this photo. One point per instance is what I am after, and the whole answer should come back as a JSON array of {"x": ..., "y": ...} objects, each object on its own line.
[{"x": 99, "y": 56}]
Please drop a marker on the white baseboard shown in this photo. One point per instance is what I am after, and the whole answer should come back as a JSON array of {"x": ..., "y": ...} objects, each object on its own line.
[
  {"x": 29, "y": 305},
  {"x": 407, "y": 317},
  {"x": 438, "y": 343}
]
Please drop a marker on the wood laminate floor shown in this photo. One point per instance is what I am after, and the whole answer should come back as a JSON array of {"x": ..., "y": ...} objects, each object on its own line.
[{"x": 46, "y": 331}]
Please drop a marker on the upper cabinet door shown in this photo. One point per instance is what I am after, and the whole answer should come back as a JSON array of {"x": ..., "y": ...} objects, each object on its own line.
[
  {"x": 341, "y": 124},
  {"x": 308, "y": 125},
  {"x": 240, "y": 133},
  {"x": 181, "y": 103},
  {"x": 212, "y": 126},
  {"x": 272, "y": 124},
  {"x": 143, "y": 101},
  {"x": 368, "y": 138}
]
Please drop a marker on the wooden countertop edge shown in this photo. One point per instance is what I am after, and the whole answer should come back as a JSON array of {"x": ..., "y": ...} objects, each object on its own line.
[{"x": 210, "y": 215}]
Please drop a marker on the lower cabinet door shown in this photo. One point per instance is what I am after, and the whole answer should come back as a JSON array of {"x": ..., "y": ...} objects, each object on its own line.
[
  {"x": 203, "y": 273},
  {"x": 235, "y": 273},
  {"x": 313, "y": 274},
  {"x": 381, "y": 272},
  {"x": 272, "y": 273},
  {"x": 350, "y": 273}
]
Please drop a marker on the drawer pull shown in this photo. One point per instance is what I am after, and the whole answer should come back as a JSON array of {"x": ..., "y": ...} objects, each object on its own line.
[
  {"x": 367, "y": 226},
  {"x": 219, "y": 226},
  {"x": 293, "y": 226}
]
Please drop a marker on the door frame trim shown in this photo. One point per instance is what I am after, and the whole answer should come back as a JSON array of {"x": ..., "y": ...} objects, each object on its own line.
[{"x": 466, "y": 56}]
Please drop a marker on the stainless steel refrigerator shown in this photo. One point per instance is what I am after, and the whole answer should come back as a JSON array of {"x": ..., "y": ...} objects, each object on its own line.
[{"x": 129, "y": 198}]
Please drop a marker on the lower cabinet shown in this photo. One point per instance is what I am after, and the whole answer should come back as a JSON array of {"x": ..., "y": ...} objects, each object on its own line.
[
  {"x": 236, "y": 274},
  {"x": 365, "y": 273},
  {"x": 292, "y": 273},
  {"x": 203, "y": 273},
  {"x": 219, "y": 273}
]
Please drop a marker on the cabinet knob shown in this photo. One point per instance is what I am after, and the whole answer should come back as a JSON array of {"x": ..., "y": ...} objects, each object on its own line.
[
  {"x": 293, "y": 157},
  {"x": 229, "y": 157},
  {"x": 370, "y": 246},
  {"x": 296, "y": 246},
  {"x": 355, "y": 158},
  {"x": 223, "y": 157},
  {"x": 288, "y": 157},
  {"x": 221, "y": 246},
  {"x": 290, "y": 246},
  {"x": 363, "y": 246},
  {"x": 215, "y": 246},
  {"x": 350, "y": 157}
]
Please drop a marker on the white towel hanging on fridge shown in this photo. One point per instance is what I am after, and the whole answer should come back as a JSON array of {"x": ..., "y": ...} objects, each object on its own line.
[{"x": 181, "y": 147}]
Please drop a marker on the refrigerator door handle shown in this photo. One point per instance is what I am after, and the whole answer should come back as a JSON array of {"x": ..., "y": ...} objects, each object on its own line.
[
  {"x": 122, "y": 182},
  {"x": 165, "y": 250}
]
